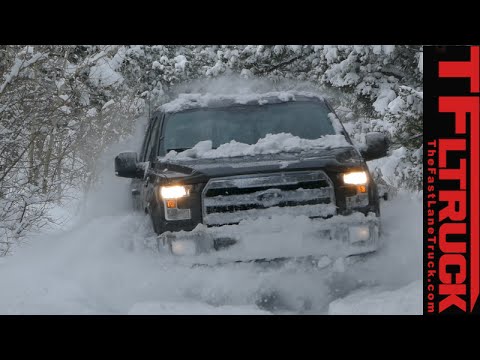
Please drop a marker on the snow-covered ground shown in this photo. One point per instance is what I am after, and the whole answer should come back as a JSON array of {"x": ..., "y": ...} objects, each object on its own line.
[{"x": 100, "y": 262}]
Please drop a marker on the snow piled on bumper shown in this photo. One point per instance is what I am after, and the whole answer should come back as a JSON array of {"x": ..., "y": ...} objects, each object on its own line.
[{"x": 282, "y": 236}]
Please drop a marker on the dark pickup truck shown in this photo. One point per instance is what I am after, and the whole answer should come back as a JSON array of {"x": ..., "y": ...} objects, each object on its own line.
[{"x": 180, "y": 188}]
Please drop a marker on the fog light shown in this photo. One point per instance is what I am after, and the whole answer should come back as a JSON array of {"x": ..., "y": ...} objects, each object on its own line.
[
  {"x": 184, "y": 247},
  {"x": 359, "y": 233}
]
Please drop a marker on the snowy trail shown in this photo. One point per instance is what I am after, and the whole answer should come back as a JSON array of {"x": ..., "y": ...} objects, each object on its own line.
[{"x": 101, "y": 266}]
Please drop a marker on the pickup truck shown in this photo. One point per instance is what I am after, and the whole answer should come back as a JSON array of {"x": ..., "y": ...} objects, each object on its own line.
[{"x": 217, "y": 160}]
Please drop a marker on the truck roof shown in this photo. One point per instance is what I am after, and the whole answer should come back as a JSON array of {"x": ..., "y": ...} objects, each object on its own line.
[{"x": 193, "y": 101}]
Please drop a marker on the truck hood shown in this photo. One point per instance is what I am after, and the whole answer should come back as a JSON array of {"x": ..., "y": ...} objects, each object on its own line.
[{"x": 198, "y": 170}]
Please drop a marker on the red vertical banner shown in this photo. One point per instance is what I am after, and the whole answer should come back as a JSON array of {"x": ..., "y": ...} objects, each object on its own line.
[{"x": 451, "y": 177}]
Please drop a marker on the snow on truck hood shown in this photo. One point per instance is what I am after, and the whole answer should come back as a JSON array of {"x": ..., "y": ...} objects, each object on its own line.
[
  {"x": 270, "y": 144},
  {"x": 193, "y": 101}
]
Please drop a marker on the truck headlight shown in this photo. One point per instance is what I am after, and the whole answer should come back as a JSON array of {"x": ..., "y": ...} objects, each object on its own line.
[
  {"x": 173, "y": 192},
  {"x": 170, "y": 196},
  {"x": 355, "y": 178}
]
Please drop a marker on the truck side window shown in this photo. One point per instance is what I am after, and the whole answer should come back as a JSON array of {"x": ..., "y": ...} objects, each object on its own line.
[
  {"x": 153, "y": 140},
  {"x": 146, "y": 140}
]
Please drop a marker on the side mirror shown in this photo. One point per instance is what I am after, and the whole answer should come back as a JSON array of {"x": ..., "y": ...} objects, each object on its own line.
[
  {"x": 126, "y": 165},
  {"x": 376, "y": 147}
]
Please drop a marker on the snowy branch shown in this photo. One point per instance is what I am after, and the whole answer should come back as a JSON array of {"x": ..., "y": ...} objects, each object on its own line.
[{"x": 18, "y": 66}]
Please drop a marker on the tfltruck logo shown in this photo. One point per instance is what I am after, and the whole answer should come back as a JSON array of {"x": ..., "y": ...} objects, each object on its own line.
[{"x": 451, "y": 179}]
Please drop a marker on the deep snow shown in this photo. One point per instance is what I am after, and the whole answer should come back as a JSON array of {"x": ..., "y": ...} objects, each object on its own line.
[{"x": 104, "y": 264}]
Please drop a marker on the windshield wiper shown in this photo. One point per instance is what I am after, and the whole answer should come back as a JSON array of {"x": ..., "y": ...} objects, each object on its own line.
[{"x": 177, "y": 149}]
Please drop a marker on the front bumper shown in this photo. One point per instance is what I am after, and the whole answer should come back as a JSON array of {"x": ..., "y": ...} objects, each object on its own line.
[{"x": 339, "y": 235}]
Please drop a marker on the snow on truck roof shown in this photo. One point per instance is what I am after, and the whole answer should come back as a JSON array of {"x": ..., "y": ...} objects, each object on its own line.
[{"x": 193, "y": 101}]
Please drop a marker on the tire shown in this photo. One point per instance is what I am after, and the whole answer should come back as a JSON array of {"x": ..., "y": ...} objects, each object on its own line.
[{"x": 156, "y": 216}]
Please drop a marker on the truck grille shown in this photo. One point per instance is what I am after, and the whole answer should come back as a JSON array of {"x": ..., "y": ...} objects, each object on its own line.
[{"x": 232, "y": 199}]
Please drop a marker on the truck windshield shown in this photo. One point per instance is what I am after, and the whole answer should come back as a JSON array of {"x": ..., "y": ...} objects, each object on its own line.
[{"x": 246, "y": 124}]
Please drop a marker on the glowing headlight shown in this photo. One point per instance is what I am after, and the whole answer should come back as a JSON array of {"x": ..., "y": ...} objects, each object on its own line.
[
  {"x": 355, "y": 178},
  {"x": 173, "y": 192}
]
